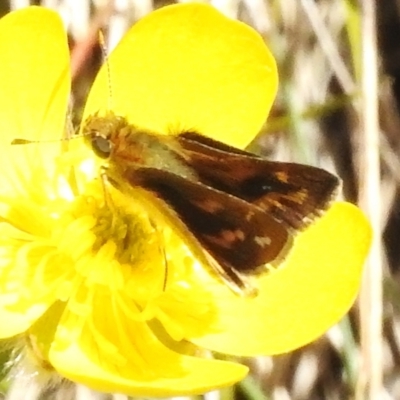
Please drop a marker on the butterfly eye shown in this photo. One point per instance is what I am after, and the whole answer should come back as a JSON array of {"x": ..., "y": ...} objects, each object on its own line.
[{"x": 101, "y": 146}]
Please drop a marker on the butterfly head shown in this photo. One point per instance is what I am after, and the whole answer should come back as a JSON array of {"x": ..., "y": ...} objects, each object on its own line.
[{"x": 101, "y": 132}]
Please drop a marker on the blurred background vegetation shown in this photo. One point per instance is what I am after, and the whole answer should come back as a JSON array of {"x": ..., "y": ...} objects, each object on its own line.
[{"x": 337, "y": 107}]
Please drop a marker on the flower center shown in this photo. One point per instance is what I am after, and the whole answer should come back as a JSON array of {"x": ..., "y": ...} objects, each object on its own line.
[
  {"x": 127, "y": 230},
  {"x": 121, "y": 241}
]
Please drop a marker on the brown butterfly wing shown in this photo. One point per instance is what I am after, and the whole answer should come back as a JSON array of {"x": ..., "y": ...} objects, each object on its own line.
[
  {"x": 238, "y": 235},
  {"x": 293, "y": 194}
]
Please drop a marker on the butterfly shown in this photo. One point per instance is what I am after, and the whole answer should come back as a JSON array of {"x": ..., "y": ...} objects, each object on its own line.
[{"x": 237, "y": 211}]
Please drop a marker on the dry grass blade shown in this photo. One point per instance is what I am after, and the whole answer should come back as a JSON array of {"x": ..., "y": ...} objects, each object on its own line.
[{"x": 367, "y": 144}]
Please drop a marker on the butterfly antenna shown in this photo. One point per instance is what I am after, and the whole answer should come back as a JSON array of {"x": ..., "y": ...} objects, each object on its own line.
[
  {"x": 17, "y": 141},
  {"x": 107, "y": 64}
]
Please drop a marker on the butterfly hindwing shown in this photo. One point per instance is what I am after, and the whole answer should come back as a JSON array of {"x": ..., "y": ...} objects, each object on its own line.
[{"x": 237, "y": 234}]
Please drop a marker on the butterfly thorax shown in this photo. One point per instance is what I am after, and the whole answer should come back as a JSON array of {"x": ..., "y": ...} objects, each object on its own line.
[{"x": 128, "y": 148}]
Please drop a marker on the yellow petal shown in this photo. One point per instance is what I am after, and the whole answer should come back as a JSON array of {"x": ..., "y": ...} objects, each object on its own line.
[
  {"x": 35, "y": 73},
  {"x": 106, "y": 351},
  {"x": 202, "y": 375},
  {"x": 300, "y": 301},
  {"x": 34, "y": 90},
  {"x": 14, "y": 323},
  {"x": 34, "y": 85},
  {"x": 189, "y": 67},
  {"x": 28, "y": 277}
]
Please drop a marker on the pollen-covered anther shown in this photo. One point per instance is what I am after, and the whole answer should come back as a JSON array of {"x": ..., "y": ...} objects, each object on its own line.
[{"x": 128, "y": 231}]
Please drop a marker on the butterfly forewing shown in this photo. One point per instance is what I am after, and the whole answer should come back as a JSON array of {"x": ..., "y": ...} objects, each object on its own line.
[{"x": 293, "y": 194}]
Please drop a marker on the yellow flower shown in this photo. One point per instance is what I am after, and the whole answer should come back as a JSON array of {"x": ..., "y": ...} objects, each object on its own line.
[{"x": 101, "y": 294}]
